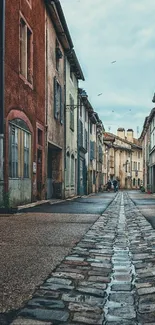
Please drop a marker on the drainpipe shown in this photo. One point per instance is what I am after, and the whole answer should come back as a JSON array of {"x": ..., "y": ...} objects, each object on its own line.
[{"x": 2, "y": 53}]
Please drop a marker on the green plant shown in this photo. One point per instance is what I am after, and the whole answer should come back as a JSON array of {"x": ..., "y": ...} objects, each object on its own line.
[{"x": 142, "y": 189}]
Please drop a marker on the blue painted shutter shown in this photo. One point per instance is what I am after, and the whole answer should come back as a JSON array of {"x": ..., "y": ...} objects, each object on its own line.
[{"x": 55, "y": 97}]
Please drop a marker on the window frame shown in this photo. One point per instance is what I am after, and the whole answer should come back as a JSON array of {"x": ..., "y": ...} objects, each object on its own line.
[
  {"x": 58, "y": 109},
  {"x": 20, "y": 169},
  {"x": 28, "y": 79}
]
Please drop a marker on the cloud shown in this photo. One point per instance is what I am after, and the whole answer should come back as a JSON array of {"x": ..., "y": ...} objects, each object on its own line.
[{"x": 103, "y": 31}]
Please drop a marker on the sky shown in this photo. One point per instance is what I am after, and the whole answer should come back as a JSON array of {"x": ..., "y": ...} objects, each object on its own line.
[{"x": 104, "y": 31}]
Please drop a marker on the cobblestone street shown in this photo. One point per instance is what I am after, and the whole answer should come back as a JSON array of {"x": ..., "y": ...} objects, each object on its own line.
[{"x": 107, "y": 279}]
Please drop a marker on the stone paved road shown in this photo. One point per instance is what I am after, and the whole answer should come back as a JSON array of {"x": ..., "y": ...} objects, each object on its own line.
[
  {"x": 107, "y": 279},
  {"x": 32, "y": 244},
  {"x": 146, "y": 204}
]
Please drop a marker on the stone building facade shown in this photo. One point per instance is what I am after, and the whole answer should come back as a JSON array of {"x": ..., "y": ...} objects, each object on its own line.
[{"x": 24, "y": 110}]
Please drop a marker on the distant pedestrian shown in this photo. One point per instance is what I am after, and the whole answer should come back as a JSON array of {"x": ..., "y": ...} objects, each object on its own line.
[
  {"x": 115, "y": 184},
  {"x": 109, "y": 185}
]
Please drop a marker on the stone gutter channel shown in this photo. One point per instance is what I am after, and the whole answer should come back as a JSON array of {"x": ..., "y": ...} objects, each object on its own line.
[
  {"x": 108, "y": 278},
  {"x": 120, "y": 305}
]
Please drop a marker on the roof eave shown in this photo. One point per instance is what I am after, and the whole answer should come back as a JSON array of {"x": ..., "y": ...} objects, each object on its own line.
[
  {"x": 59, "y": 22},
  {"x": 73, "y": 60}
]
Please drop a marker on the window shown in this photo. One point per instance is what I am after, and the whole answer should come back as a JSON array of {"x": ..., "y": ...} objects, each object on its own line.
[
  {"x": 67, "y": 169},
  {"x": 134, "y": 182},
  {"x": 91, "y": 128},
  {"x": 86, "y": 139},
  {"x": 138, "y": 154},
  {"x": 135, "y": 165},
  {"x": 72, "y": 170},
  {"x": 26, "y": 155},
  {"x": 71, "y": 113},
  {"x": 100, "y": 154},
  {"x": 71, "y": 74},
  {"x": 58, "y": 104},
  {"x": 85, "y": 115},
  {"x": 92, "y": 150},
  {"x": 139, "y": 166},
  {"x": 26, "y": 51},
  {"x": 19, "y": 149},
  {"x": 40, "y": 137},
  {"x": 94, "y": 178},
  {"x": 58, "y": 54},
  {"x": 81, "y": 108},
  {"x": 81, "y": 137}
]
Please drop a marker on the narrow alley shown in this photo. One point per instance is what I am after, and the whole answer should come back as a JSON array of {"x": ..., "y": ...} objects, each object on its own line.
[{"x": 107, "y": 279}]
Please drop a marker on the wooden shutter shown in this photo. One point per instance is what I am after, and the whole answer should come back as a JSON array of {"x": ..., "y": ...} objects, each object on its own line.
[{"x": 55, "y": 98}]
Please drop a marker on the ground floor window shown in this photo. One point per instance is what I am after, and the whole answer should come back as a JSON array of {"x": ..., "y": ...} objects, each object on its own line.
[
  {"x": 134, "y": 182},
  {"x": 19, "y": 149}
]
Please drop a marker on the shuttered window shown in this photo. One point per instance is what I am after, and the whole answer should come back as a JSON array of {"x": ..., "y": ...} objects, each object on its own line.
[
  {"x": 71, "y": 113},
  {"x": 26, "y": 51},
  {"x": 72, "y": 171},
  {"x": 92, "y": 150},
  {"x": 58, "y": 102},
  {"x": 100, "y": 154},
  {"x": 81, "y": 134}
]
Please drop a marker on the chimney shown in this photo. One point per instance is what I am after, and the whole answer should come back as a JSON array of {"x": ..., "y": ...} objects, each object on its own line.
[
  {"x": 130, "y": 135},
  {"x": 121, "y": 133}
]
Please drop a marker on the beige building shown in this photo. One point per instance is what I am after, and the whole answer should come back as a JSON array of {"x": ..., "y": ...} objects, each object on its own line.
[
  {"x": 124, "y": 158},
  {"x": 58, "y": 42}
]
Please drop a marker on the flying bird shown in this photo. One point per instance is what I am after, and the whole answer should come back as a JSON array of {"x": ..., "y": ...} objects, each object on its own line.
[
  {"x": 113, "y": 61},
  {"x": 99, "y": 94}
]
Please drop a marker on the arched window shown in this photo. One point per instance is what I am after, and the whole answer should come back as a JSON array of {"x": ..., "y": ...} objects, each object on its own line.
[{"x": 19, "y": 149}]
